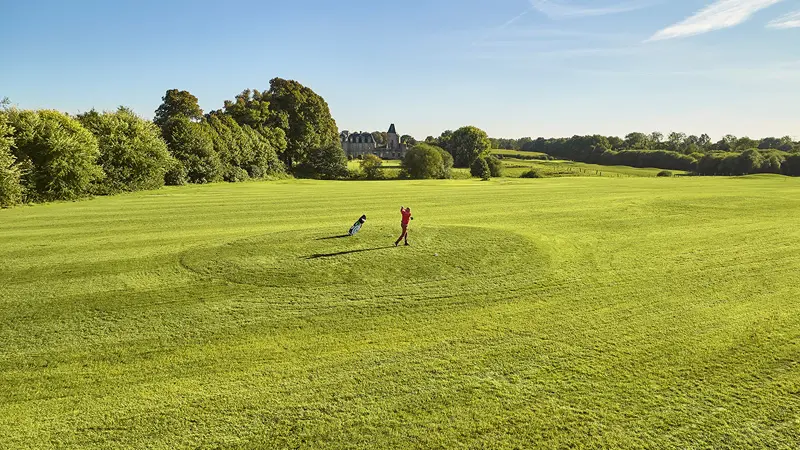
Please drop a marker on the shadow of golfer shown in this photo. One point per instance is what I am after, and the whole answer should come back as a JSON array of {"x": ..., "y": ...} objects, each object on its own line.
[
  {"x": 347, "y": 252},
  {"x": 333, "y": 237}
]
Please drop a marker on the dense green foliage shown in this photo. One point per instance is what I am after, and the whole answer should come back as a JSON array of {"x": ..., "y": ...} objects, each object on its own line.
[
  {"x": 327, "y": 163},
  {"x": 305, "y": 118},
  {"x": 495, "y": 166},
  {"x": 132, "y": 153},
  {"x": 57, "y": 154},
  {"x": 424, "y": 161},
  {"x": 243, "y": 152},
  {"x": 532, "y": 173},
  {"x": 791, "y": 165},
  {"x": 371, "y": 166},
  {"x": 191, "y": 144},
  {"x": 10, "y": 188},
  {"x": 466, "y": 145},
  {"x": 675, "y": 142},
  {"x": 557, "y": 313},
  {"x": 177, "y": 103},
  {"x": 480, "y": 169}
]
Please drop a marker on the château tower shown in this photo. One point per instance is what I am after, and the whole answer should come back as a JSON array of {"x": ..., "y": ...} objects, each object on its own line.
[{"x": 392, "y": 139}]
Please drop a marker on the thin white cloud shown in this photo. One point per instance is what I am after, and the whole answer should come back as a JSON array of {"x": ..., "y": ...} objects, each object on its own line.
[
  {"x": 720, "y": 14},
  {"x": 514, "y": 19},
  {"x": 560, "y": 9},
  {"x": 791, "y": 20}
]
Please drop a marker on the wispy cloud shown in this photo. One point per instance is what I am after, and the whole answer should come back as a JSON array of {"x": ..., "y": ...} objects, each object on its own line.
[
  {"x": 720, "y": 14},
  {"x": 559, "y": 9},
  {"x": 791, "y": 20}
]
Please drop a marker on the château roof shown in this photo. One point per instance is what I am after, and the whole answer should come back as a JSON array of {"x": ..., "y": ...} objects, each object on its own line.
[
  {"x": 391, "y": 129},
  {"x": 363, "y": 137}
]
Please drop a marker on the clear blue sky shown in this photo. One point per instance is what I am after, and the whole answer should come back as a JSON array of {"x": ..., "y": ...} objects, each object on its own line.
[{"x": 512, "y": 67}]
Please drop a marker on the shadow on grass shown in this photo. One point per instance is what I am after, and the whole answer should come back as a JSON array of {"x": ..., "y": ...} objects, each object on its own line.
[
  {"x": 347, "y": 252},
  {"x": 333, "y": 237}
]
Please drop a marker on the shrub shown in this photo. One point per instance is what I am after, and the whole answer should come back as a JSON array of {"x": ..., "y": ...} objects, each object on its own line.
[
  {"x": 495, "y": 166},
  {"x": 664, "y": 173},
  {"x": 132, "y": 152},
  {"x": 371, "y": 165},
  {"x": 480, "y": 168},
  {"x": 327, "y": 163},
  {"x": 10, "y": 189},
  {"x": 59, "y": 153},
  {"x": 191, "y": 144},
  {"x": 533, "y": 173},
  {"x": 425, "y": 161}
]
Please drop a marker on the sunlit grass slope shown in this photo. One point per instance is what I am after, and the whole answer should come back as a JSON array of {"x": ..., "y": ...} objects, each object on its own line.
[{"x": 552, "y": 313}]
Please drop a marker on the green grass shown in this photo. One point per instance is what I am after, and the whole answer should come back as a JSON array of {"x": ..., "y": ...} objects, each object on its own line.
[
  {"x": 557, "y": 168},
  {"x": 557, "y": 313},
  {"x": 517, "y": 153}
]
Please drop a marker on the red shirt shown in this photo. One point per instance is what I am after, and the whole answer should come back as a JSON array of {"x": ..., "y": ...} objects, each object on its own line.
[{"x": 406, "y": 215}]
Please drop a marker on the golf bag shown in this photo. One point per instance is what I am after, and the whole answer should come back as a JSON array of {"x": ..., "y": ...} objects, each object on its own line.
[{"x": 357, "y": 226}]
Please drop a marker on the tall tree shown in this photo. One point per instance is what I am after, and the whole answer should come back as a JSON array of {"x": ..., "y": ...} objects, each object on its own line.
[
  {"x": 251, "y": 108},
  {"x": 177, "y": 103},
  {"x": 467, "y": 144},
  {"x": 305, "y": 118},
  {"x": 636, "y": 141},
  {"x": 191, "y": 143}
]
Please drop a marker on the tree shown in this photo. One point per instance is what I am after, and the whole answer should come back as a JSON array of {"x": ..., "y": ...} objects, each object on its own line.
[
  {"x": 636, "y": 141},
  {"x": 727, "y": 143},
  {"x": 444, "y": 141},
  {"x": 56, "y": 153},
  {"x": 328, "y": 163},
  {"x": 251, "y": 108},
  {"x": 191, "y": 144},
  {"x": 616, "y": 143},
  {"x": 10, "y": 188},
  {"x": 467, "y": 144},
  {"x": 132, "y": 153},
  {"x": 495, "y": 166},
  {"x": 408, "y": 140},
  {"x": 371, "y": 165},
  {"x": 749, "y": 162},
  {"x": 786, "y": 145},
  {"x": 424, "y": 161},
  {"x": 177, "y": 103},
  {"x": 675, "y": 141},
  {"x": 745, "y": 143},
  {"x": 654, "y": 141},
  {"x": 704, "y": 142},
  {"x": 263, "y": 160},
  {"x": 791, "y": 165},
  {"x": 480, "y": 168},
  {"x": 380, "y": 137},
  {"x": 305, "y": 118}
]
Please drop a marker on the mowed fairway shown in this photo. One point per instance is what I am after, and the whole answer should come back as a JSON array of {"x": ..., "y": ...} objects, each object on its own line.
[{"x": 554, "y": 313}]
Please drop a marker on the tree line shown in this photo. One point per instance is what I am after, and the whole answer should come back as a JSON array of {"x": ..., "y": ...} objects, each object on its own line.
[
  {"x": 48, "y": 155},
  {"x": 697, "y": 154}
]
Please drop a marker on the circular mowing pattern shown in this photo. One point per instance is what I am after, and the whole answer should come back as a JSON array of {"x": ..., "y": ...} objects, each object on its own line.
[{"x": 308, "y": 259}]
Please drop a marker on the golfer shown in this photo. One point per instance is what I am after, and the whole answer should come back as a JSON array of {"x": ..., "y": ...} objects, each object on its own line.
[{"x": 405, "y": 213}]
